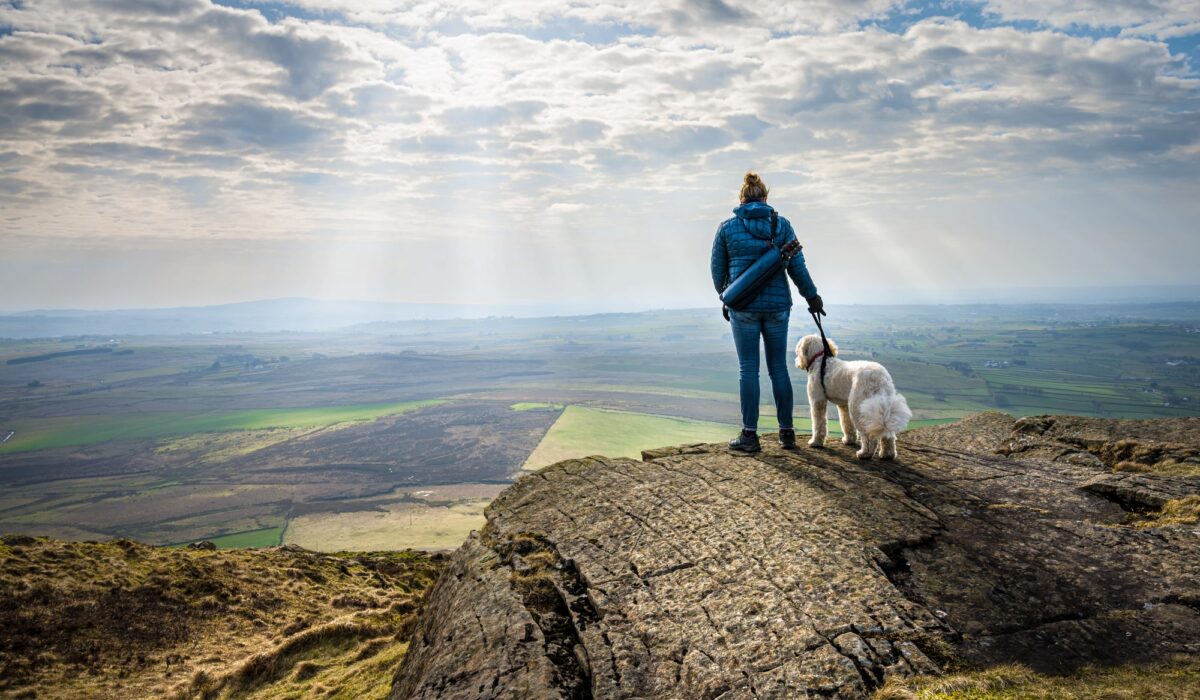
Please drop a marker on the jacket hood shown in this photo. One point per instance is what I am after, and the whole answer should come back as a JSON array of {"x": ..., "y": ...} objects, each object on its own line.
[{"x": 753, "y": 210}]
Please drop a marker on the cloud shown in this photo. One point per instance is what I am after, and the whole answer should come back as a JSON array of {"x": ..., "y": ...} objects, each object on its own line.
[
  {"x": 577, "y": 130},
  {"x": 339, "y": 118},
  {"x": 13, "y": 185},
  {"x": 438, "y": 144},
  {"x": 747, "y": 127},
  {"x": 47, "y": 104},
  {"x": 379, "y": 100},
  {"x": 313, "y": 59},
  {"x": 160, "y": 8},
  {"x": 109, "y": 151},
  {"x": 1101, "y": 13},
  {"x": 478, "y": 118},
  {"x": 679, "y": 141},
  {"x": 244, "y": 123}
]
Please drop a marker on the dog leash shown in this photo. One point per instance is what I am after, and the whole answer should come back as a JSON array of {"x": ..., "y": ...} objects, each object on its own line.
[{"x": 824, "y": 346}]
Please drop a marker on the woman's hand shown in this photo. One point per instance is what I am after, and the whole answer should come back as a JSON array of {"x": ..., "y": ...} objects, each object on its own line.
[{"x": 816, "y": 305}]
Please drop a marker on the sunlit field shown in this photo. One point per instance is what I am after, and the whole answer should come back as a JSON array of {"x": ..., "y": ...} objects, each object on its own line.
[
  {"x": 401, "y": 526},
  {"x": 590, "y": 431}
]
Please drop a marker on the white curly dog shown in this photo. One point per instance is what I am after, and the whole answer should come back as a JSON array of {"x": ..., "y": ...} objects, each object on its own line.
[{"x": 864, "y": 394}]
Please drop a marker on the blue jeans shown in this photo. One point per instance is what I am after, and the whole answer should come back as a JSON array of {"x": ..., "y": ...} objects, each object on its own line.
[{"x": 772, "y": 326}]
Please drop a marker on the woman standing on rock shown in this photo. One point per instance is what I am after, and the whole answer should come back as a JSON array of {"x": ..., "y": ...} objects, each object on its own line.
[{"x": 740, "y": 241}]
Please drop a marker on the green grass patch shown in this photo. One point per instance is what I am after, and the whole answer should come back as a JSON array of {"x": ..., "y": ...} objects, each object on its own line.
[
  {"x": 70, "y": 431},
  {"x": 266, "y": 537},
  {"x": 581, "y": 431},
  {"x": 536, "y": 406}
]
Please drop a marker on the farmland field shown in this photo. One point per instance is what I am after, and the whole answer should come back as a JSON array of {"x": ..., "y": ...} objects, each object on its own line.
[
  {"x": 368, "y": 437},
  {"x": 399, "y": 526},
  {"x": 266, "y": 537},
  {"x": 584, "y": 431},
  {"x": 69, "y": 431}
]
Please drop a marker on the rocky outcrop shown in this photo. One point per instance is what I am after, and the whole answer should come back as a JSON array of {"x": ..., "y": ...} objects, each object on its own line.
[
  {"x": 1150, "y": 446},
  {"x": 694, "y": 573},
  {"x": 1139, "y": 464}
]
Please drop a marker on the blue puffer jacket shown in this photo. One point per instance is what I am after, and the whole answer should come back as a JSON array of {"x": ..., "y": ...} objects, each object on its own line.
[{"x": 741, "y": 240}]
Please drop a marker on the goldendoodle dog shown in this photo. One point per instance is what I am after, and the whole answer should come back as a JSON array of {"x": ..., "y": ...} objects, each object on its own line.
[{"x": 868, "y": 405}]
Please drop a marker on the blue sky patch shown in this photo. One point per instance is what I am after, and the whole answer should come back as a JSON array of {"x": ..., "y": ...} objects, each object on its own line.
[
  {"x": 901, "y": 18},
  {"x": 277, "y": 11}
]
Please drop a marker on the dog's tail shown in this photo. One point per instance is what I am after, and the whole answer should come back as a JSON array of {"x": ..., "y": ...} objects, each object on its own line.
[{"x": 883, "y": 415}]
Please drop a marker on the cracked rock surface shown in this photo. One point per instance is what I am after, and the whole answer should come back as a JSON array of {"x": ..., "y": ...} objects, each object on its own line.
[{"x": 695, "y": 573}]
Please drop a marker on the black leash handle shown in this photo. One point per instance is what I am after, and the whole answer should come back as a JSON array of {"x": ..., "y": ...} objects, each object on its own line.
[{"x": 825, "y": 346}]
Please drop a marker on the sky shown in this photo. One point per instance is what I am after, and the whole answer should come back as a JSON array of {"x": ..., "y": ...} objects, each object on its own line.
[{"x": 177, "y": 152}]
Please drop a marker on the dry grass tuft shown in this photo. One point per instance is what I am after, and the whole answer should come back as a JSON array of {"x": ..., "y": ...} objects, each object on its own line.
[
  {"x": 1180, "y": 511},
  {"x": 1185, "y": 511},
  {"x": 1175, "y": 680},
  {"x": 1164, "y": 459}
]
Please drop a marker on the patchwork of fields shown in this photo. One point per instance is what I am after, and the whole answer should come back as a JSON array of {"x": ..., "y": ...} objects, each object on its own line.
[
  {"x": 328, "y": 440},
  {"x": 72, "y": 431}
]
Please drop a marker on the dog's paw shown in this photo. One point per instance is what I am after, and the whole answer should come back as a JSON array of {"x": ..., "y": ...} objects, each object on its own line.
[
  {"x": 862, "y": 454},
  {"x": 816, "y": 443},
  {"x": 889, "y": 456},
  {"x": 849, "y": 441}
]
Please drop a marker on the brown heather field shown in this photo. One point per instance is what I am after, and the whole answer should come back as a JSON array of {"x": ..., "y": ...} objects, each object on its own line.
[{"x": 124, "y": 620}]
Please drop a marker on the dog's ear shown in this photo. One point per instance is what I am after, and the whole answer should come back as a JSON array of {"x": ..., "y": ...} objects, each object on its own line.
[
  {"x": 803, "y": 350},
  {"x": 832, "y": 348}
]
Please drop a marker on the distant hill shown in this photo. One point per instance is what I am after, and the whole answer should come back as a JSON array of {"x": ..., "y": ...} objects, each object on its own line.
[
  {"x": 265, "y": 316},
  {"x": 314, "y": 315},
  {"x": 271, "y": 315}
]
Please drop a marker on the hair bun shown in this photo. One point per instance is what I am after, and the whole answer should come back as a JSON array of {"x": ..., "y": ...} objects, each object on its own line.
[{"x": 753, "y": 188}]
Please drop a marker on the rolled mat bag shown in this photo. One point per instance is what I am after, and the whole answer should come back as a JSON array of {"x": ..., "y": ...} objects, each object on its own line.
[{"x": 746, "y": 287}]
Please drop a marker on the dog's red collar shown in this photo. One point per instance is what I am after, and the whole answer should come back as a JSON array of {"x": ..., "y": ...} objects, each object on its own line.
[{"x": 813, "y": 359}]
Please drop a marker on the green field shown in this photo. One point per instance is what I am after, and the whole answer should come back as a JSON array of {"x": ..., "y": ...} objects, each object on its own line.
[
  {"x": 266, "y": 537},
  {"x": 582, "y": 431},
  {"x": 536, "y": 406},
  {"x": 70, "y": 431}
]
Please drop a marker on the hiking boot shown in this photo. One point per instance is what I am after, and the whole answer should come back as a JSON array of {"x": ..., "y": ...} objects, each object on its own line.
[
  {"x": 787, "y": 438},
  {"x": 746, "y": 442}
]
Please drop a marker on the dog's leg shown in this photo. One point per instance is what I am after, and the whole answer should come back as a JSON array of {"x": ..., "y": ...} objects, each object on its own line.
[
  {"x": 867, "y": 450},
  {"x": 849, "y": 434},
  {"x": 817, "y": 404},
  {"x": 887, "y": 450}
]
